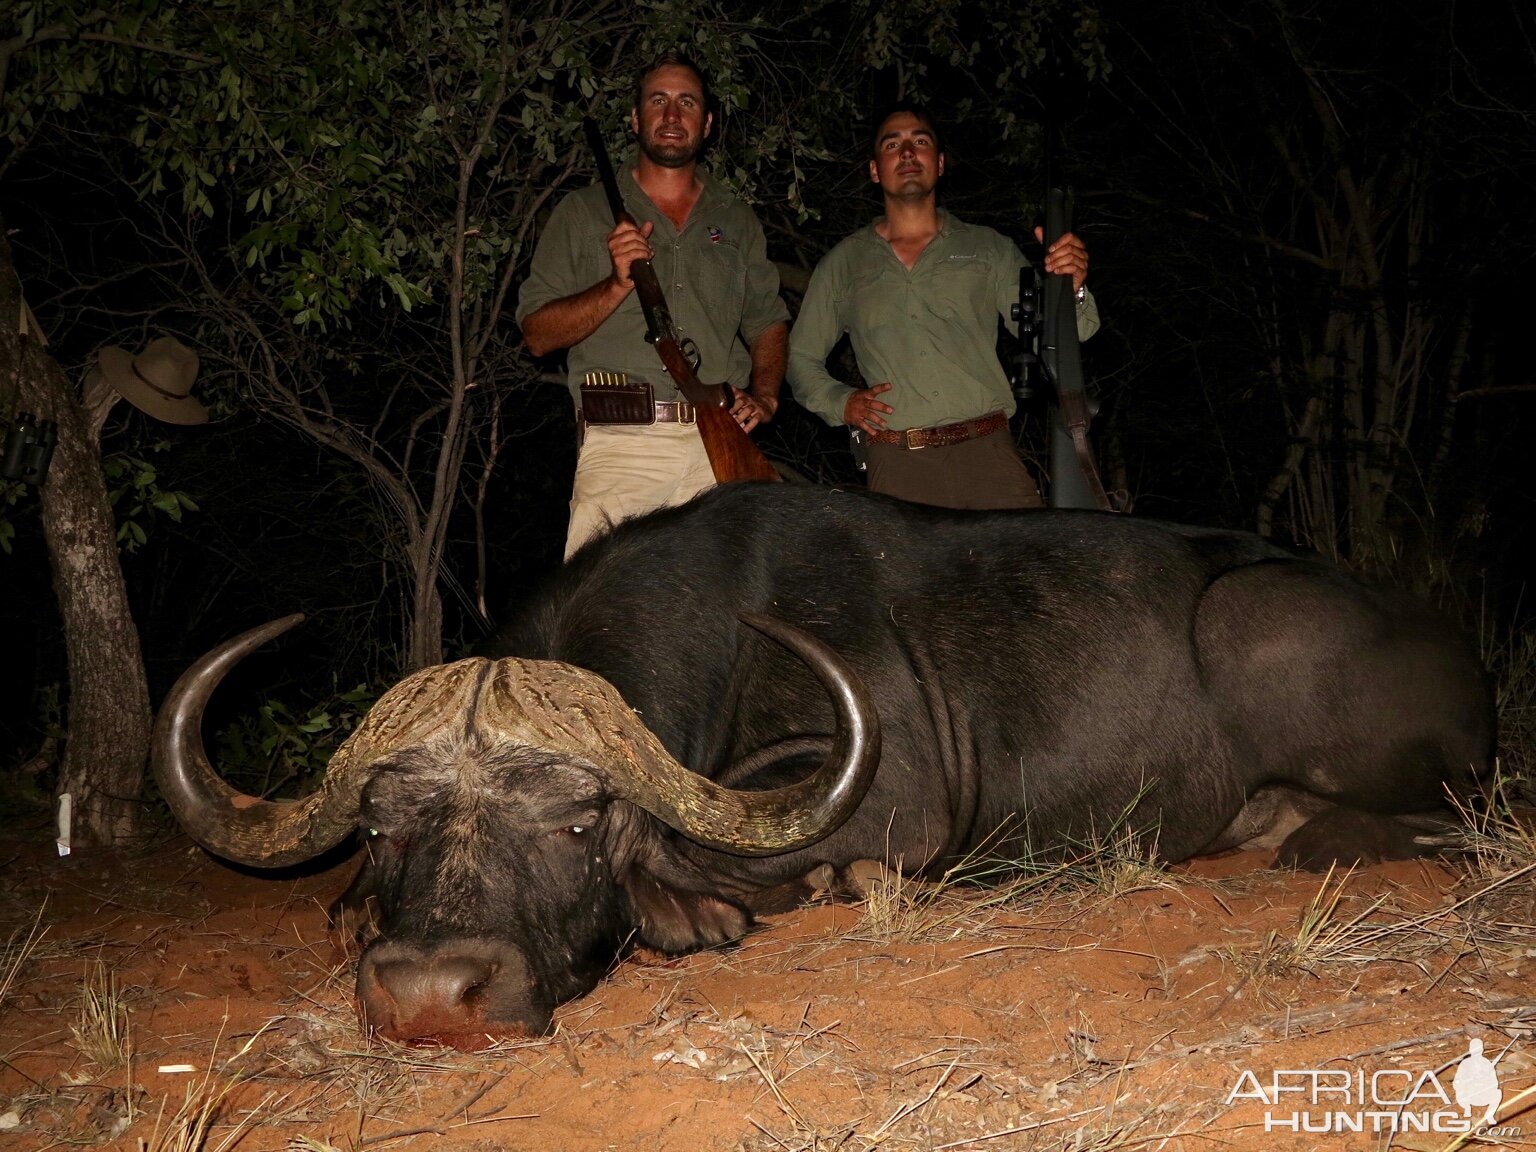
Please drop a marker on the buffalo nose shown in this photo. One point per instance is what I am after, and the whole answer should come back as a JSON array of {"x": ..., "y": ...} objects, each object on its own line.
[
  {"x": 460, "y": 993},
  {"x": 447, "y": 980}
]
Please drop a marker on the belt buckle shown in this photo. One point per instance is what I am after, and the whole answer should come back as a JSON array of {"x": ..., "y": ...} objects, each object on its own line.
[
  {"x": 687, "y": 415},
  {"x": 910, "y": 444}
]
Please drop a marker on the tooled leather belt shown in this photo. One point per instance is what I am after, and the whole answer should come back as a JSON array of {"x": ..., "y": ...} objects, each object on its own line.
[{"x": 941, "y": 435}]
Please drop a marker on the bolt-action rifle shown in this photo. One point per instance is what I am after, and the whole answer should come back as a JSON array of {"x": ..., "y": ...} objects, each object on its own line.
[
  {"x": 1075, "y": 479},
  {"x": 732, "y": 455}
]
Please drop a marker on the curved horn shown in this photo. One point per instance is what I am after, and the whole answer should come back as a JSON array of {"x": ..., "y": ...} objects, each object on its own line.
[
  {"x": 245, "y": 829},
  {"x": 569, "y": 710}
]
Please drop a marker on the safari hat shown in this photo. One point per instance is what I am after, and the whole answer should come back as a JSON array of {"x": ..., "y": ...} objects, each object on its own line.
[{"x": 157, "y": 381}]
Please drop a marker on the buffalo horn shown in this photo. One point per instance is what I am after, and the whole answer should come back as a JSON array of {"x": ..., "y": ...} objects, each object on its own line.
[
  {"x": 271, "y": 834},
  {"x": 568, "y": 710}
]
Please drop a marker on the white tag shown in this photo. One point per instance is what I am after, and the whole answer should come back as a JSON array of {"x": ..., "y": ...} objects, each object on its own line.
[{"x": 66, "y": 822}]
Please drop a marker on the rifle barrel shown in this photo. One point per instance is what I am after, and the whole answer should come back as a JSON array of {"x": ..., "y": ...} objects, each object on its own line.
[{"x": 610, "y": 184}]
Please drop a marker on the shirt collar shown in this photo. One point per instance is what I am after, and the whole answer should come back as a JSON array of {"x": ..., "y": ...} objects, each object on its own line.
[
  {"x": 630, "y": 187},
  {"x": 948, "y": 224}
]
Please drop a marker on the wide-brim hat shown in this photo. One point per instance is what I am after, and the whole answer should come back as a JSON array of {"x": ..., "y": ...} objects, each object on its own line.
[{"x": 157, "y": 381}]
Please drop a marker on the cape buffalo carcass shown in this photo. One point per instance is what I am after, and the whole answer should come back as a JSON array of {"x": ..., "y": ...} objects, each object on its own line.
[{"x": 932, "y": 677}]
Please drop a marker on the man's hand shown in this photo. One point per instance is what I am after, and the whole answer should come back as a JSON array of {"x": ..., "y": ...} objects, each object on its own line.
[
  {"x": 1066, "y": 257},
  {"x": 750, "y": 410},
  {"x": 626, "y": 244},
  {"x": 865, "y": 410}
]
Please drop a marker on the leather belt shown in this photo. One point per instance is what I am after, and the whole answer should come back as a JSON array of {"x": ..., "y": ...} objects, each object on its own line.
[
  {"x": 941, "y": 435},
  {"x": 667, "y": 412}
]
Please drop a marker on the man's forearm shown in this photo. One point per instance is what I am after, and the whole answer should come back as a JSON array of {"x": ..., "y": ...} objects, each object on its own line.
[
  {"x": 770, "y": 353},
  {"x": 571, "y": 319}
]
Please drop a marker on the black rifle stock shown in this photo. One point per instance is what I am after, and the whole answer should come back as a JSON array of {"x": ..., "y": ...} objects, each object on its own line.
[
  {"x": 732, "y": 455},
  {"x": 1061, "y": 356}
]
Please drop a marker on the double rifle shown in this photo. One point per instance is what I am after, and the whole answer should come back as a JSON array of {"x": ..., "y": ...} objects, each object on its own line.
[{"x": 732, "y": 455}]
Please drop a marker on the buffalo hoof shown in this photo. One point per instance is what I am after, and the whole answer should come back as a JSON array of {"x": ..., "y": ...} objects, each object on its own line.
[{"x": 1345, "y": 837}]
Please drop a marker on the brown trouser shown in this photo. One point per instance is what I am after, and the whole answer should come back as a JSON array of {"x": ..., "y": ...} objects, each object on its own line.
[{"x": 982, "y": 473}]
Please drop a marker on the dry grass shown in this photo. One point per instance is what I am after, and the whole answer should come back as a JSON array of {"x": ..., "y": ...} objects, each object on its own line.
[
  {"x": 199, "y": 1122},
  {"x": 960, "y": 1106},
  {"x": 101, "y": 1030},
  {"x": 1331, "y": 935},
  {"x": 1513, "y": 662},
  {"x": 1322, "y": 933},
  {"x": 1498, "y": 837},
  {"x": 19, "y": 950},
  {"x": 977, "y": 897},
  {"x": 193, "y": 1126}
]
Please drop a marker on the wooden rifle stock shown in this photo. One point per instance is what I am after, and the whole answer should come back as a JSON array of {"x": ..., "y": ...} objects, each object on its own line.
[{"x": 732, "y": 455}]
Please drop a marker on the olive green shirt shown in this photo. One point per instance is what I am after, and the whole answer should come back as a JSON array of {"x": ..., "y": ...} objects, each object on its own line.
[
  {"x": 930, "y": 332},
  {"x": 720, "y": 287}
]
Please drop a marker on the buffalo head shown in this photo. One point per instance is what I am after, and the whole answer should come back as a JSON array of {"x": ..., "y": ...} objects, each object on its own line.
[{"x": 506, "y": 809}]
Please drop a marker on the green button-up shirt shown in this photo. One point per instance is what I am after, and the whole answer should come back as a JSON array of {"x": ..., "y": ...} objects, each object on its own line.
[
  {"x": 720, "y": 287},
  {"x": 930, "y": 332}
]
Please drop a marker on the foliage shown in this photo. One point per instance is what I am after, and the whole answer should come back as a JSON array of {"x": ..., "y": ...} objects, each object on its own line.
[
  {"x": 340, "y": 200},
  {"x": 280, "y": 751},
  {"x": 136, "y": 495}
]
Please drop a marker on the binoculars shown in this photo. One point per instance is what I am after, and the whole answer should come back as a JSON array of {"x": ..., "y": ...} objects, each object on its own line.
[{"x": 29, "y": 449}]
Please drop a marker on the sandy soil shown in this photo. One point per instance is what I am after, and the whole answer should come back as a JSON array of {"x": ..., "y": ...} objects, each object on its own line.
[{"x": 1116, "y": 1007}]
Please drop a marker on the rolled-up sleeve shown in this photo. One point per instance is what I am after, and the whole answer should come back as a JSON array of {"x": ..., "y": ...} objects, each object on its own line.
[
  {"x": 553, "y": 272},
  {"x": 762, "y": 307},
  {"x": 1087, "y": 317},
  {"x": 818, "y": 328}
]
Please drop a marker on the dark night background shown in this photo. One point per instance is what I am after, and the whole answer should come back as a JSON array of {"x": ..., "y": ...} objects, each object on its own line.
[{"x": 1311, "y": 227}]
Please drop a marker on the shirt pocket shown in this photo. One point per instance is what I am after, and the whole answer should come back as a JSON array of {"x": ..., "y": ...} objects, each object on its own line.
[
  {"x": 716, "y": 276},
  {"x": 960, "y": 292},
  {"x": 873, "y": 303}
]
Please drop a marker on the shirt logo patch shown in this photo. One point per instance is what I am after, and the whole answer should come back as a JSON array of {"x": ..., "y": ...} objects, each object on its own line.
[
  {"x": 962, "y": 256},
  {"x": 714, "y": 235}
]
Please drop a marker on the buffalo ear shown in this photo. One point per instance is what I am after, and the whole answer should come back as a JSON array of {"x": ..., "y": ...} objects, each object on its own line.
[{"x": 672, "y": 919}]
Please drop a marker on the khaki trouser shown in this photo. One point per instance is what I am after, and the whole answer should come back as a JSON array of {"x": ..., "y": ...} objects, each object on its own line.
[{"x": 626, "y": 471}]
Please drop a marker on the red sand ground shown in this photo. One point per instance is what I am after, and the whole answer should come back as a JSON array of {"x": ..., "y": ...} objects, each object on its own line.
[{"x": 1082, "y": 1020}]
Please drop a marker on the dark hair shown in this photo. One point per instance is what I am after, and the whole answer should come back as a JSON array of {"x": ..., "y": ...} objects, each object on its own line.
[
  {"x": 673, "y": 58},
  {"x": 923, "y": 116}
]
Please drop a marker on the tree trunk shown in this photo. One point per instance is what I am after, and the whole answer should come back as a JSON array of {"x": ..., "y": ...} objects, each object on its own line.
[{"x": 108, "y": 706}]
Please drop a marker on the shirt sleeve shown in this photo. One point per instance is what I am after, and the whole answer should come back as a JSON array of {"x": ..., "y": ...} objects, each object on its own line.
[
  {"x": 553, "y": 273},
  {"x": 762, "y": 306},
  {"x": 818, "y": 328},
  {"x": 1087, "y": 316}
]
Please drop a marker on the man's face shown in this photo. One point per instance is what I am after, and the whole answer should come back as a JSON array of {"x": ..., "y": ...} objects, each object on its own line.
[
  {"x": 907, "y": 162},
  {"x": 671, "y": 123}
]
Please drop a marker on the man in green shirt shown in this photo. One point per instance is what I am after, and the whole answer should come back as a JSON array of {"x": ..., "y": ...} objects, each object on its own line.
[
  {"x": 711, "y": 260},
  {"x": 919, "y": 293}
]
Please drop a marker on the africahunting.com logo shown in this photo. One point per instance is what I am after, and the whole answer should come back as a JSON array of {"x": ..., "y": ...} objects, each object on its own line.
[{"x": 1340, "y": 1100}]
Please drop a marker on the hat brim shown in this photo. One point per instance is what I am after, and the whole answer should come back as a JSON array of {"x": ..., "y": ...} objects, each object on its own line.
[{"x": 117, "y": 369}]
